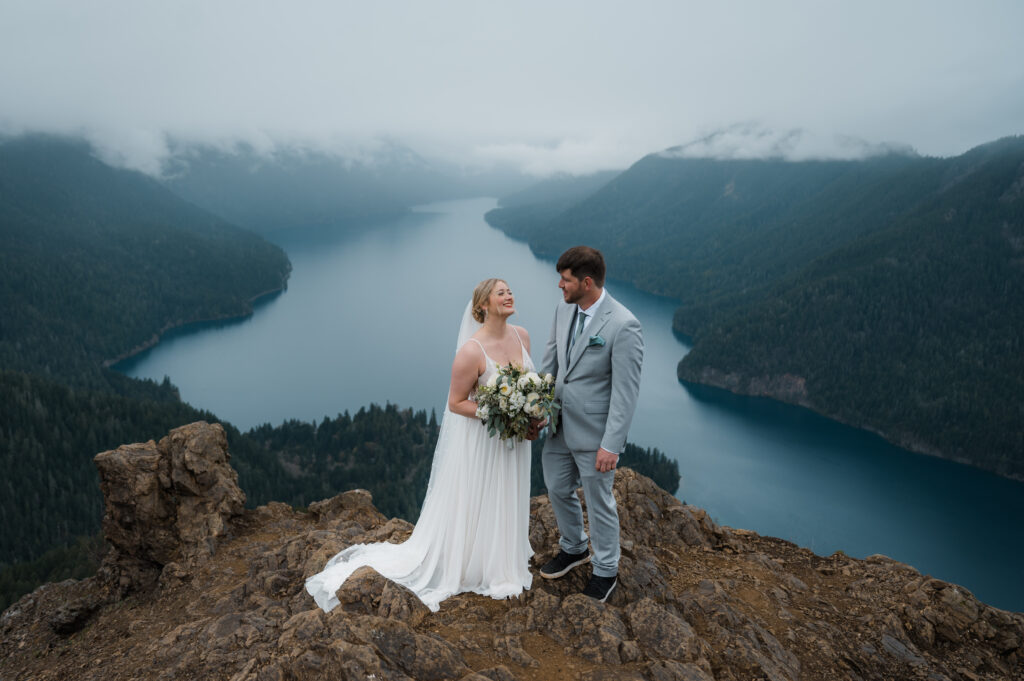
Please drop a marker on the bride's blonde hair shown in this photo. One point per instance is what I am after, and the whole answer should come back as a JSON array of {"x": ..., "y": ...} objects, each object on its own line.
[{"x": 480, "y": 295}]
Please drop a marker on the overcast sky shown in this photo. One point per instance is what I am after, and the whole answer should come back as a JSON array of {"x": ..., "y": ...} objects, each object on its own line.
[{"x": 551, "y": 86}]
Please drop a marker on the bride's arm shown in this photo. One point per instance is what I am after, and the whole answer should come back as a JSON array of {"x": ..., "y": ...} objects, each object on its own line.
[{"x": 466, "y": 369}]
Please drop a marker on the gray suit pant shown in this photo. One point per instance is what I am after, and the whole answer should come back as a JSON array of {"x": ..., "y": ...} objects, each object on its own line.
[{"x": 563, "y": 473}]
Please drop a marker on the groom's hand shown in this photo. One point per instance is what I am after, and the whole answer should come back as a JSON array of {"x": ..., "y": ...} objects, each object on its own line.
[{"x": 606, "y": 461}]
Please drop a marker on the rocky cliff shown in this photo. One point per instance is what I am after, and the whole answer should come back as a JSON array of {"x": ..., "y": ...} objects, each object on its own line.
[{"x": 197, "y": 587}]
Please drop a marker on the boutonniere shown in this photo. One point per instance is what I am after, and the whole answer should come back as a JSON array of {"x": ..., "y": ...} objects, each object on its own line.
[{"x": 595, "y": 341}]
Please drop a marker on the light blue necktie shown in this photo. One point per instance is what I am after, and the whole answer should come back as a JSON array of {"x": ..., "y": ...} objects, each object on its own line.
[{"x": 581, "y": 318}]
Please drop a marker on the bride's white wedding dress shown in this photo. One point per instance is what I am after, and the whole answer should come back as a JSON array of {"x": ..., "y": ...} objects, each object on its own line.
[{"x": 473, "y": 529}]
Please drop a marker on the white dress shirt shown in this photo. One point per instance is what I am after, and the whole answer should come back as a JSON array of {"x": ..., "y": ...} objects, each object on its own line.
[{"x": 591, "y": 311}]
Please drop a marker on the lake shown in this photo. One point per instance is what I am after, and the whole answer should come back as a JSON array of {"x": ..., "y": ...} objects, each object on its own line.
[{"x": 373, "y": 317}]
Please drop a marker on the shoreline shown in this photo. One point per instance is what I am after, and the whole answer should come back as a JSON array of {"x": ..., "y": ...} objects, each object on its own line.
[
  {"x": 155, "y": 339},
  {"x": 708, "y": 376}
]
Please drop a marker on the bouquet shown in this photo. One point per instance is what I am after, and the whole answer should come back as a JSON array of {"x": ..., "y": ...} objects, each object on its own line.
[{"x": 511, "y": 398}]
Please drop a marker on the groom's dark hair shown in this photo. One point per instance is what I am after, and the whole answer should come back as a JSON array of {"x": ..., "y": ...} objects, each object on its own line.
[{"x": 584, "y": 261}]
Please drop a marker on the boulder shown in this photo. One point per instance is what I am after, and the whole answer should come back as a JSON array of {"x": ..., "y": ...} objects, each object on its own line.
[{"x": 166, "y": 502}]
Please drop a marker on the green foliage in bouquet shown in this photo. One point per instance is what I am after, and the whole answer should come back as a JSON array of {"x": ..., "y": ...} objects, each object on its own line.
[{"x": 512, "y": 398}]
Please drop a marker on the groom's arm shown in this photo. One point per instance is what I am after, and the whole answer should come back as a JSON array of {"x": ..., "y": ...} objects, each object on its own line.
[{"x": 627, "y": 360}]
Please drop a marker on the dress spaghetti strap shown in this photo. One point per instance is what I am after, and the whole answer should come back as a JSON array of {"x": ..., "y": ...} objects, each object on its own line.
[
  {"x": 482, "y": 347},
  {"x": 522, "y": 348},
  {"x": 519, "y": 338}
]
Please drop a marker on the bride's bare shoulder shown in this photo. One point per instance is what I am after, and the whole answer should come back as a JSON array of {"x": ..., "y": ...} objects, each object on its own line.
[
  {"x": 524, "y": 335},
  {"x": 471, "y": 353}
]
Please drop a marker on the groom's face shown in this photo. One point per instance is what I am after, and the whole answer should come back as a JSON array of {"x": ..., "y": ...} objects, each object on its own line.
[{"x": 573, "y": 289}]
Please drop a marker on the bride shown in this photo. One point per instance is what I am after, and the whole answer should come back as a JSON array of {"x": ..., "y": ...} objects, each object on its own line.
[{"x": 473, "y": 529}]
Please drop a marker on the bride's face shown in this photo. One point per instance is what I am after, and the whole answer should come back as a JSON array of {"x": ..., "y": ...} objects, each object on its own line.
[{"x": 501, "y": 302}]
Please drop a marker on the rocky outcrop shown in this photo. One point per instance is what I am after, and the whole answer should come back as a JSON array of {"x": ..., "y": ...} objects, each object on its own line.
[
  {"x": 166, "y": 504},
  {"x": 698, "y": 602}
]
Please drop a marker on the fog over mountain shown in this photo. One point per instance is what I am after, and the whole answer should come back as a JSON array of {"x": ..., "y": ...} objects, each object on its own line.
[
  {"x": 751, "y": 141},
  {"x": 545, "y": 87}
]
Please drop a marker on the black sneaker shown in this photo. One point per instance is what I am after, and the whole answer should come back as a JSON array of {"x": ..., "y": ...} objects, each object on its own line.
[
  {"x": 562, "y": 563},
  {"x": 600, "y": 588}
]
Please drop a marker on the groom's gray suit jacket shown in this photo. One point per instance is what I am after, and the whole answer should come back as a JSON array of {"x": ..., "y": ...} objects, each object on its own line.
[{"x": 598, "y": 381}]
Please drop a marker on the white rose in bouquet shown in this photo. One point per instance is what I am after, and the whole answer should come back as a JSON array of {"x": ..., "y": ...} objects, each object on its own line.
[{"x": 529, "y": 379}]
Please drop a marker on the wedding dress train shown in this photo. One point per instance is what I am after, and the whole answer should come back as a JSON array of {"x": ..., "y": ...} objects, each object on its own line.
[{"x": 473, "y": 529}]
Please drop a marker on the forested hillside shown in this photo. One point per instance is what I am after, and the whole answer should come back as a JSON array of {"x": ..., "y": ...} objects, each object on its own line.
[
  {"x": 917, "y": 331},
  {"x": 50, "y": 433},
  {"x": 538, "y": 203},
  {"x": 95, "y": 261},
  {"x": 885, "y": 293},
  {"x": 693, "y": 228}
]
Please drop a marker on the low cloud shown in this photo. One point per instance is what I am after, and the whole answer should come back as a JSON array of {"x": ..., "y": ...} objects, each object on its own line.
[
  {"x": 754, "y": 141},
  {"x": 573, "y": 156},
  {"x": 553, "y": 87}
]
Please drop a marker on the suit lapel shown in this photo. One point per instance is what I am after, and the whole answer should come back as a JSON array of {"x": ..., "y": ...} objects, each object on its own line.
[{"x": 563, "y": 336}]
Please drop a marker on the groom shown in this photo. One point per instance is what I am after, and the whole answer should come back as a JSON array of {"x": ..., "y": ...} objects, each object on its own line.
[{"x": 595, "y": 352}]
